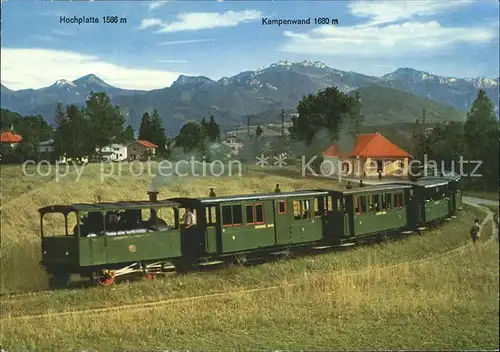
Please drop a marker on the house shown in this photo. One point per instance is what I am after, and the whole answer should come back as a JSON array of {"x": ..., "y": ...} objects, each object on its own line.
[
  {"x": 140, "y": 150},
  {"x": 370, "y": 154},
  {"x": 234, "y": 143},
  {"x": 46, "y": 147},
  {"x": 10, "y": 138},
  {"x": 114, "y": 152}
]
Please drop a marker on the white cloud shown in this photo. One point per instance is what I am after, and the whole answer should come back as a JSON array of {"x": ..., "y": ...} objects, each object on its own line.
[
  {"x": 186, "y": 41},
  {"x": 382, "y": 37},
  {"x": 390, "y": 11},
  {"x": 37, "y": 68},
  {"x": 171, "y": 61},
  {"x": 156, "y": 4},
  {"x": 60, "y": 32},
  {"x": 395, "y": 40},
  {"x": 150, "y": 22},
  {"x": 193, "y": 21},
  {"x": 46, "y": 38}
]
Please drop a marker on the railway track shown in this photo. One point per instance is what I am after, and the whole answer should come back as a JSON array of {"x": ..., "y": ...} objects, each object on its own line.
[{"x": 158, "y": 303}]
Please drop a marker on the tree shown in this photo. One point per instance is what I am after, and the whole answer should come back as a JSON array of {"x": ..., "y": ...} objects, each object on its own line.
[
  {"x": 212, "y": 129},
  {"x": 33, "y": 130},
  {"x": 145, "y": 127},
  {"x": 71, "y": 137},
  {"x": 258, "y": 131},
  {"x": 447, "y": 141},
  {"x": 152, "y": 130},
  {"x": 481, "y": 140},
  {"x": 326, "y": 113},
  {"x": 105, "y": 122},
  {"x": 191, "y": 137},
  {"x": 128, "y": 135}
]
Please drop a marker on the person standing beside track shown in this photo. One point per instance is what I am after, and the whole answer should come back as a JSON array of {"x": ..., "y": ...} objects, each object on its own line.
[{"x": 474, "y": 231}]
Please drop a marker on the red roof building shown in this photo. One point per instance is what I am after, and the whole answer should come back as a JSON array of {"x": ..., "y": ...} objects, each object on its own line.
[
  {"x": 147, "y": 144},
  {"x": 370, "y": 145},
  {"x": 141, "y": 150},
  {"x": 10, "y": 137},
  {"x": 371, "y": 153}
]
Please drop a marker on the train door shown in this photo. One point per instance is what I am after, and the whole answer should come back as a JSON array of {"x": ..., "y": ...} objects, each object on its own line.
[
  {"x": 282, "y": 222},
  {"x": 192, "y": 237},
  {"x": 92, "y": 244},
  {"x": 328, "y": 217},
  {"x": 302, "y": 223},
  {"x": 211, "y": 229}
]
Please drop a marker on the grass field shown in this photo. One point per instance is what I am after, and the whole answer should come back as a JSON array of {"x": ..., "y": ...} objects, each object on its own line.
[
  {"x": 405, "y": 294},
  {"x": 481, "y": 194}
]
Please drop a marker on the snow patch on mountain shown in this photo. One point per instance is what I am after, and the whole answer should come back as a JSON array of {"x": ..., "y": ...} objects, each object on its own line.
[{"x": 63, "y": 82}]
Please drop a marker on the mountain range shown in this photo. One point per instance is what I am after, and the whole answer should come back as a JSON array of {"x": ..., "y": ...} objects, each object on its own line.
[{"x": 396, "y": 97}]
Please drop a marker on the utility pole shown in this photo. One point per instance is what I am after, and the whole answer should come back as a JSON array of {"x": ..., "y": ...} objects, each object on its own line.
[
  {"x": 423, "y": 132},
  {"x": 282, "y": 122}
]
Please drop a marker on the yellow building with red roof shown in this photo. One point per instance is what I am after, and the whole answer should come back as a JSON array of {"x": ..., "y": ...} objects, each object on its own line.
[{"x": 371, "y": 153}]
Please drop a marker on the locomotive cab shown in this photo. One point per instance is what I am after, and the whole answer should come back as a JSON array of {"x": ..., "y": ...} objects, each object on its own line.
[{"x": 58, "y": 229}]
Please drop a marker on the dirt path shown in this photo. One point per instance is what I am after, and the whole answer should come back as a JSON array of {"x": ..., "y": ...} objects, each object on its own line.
[{"x": 155, "y": 304}]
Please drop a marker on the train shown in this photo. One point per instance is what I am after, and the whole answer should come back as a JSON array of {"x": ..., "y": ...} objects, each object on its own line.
[{"x": 151, "y": 237}]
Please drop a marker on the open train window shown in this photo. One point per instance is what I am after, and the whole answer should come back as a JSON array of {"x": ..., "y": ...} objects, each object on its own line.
[
  {"x": 57, "y": 224},
  {"x": 363, "y": 204},
  {"x": 318, "y": 211},
  {"x": 281, "y": 207},
  {"x": 249, "y": 212},
  {"x": 210, "y": 216},
  {"x": 383, "y": 202},
  {"x": 255, "y": 214},
  {"x": 259, "y": 213},
  {"x": 386, "y": 201},
  {"x": 232, "y": 215},
  {"x": 300, "y": 209},
  {"x": 376, "y": 202},
  {"x": 398, "y": 200},
  {"x": 357, "y": 205},
  {"x": 328, "y": 203}
]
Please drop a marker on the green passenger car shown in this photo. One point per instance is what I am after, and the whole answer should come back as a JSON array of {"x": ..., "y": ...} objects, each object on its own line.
[
  {"x": 231, "y": 225},
  {"x": 432, "y": 201},
  {"x": 451, "y": 188},
  {"x": 359, "y": 213},
  {"x": 104, "y": 240}
]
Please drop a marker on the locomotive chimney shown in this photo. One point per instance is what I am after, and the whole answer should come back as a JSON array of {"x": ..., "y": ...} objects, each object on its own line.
[{"x": 153, "y": 196}]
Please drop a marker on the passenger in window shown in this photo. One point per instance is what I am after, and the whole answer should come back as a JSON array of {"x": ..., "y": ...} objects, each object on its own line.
[
  {"x": 112, "y": 221},
  {"x": 189, "y": 218}
]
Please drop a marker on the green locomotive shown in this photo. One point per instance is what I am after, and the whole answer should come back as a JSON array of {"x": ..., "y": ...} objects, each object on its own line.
[{"x": 109, "y": 240}]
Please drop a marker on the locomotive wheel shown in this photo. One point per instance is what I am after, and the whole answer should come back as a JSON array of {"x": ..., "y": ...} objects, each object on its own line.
[
  {"x": 149, "y": 276},
  {"x": 241, "y": 259},
  {"x": 106, "y": 281}
]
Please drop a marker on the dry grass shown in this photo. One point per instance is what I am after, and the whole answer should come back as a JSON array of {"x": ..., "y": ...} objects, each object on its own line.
[{"x": 450, "y": 303}]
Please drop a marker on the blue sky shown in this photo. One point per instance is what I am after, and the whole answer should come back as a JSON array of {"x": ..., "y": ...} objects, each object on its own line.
[{"x": 222, "y": 38}]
